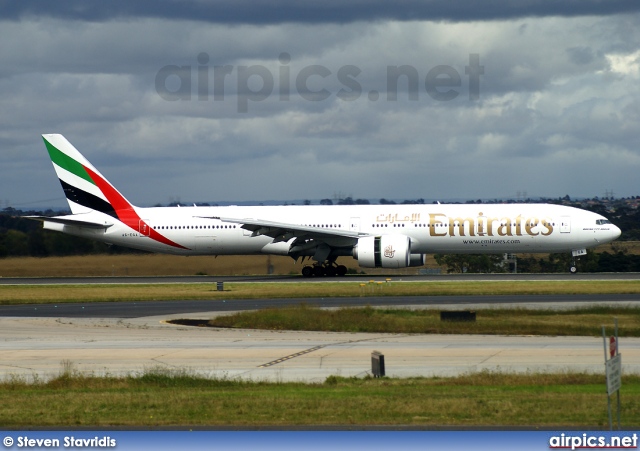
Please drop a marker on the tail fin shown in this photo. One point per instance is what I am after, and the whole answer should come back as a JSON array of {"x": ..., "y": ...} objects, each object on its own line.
[{"x": 86, "y": 189}]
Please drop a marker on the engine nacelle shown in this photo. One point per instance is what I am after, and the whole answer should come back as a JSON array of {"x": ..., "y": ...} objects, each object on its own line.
[
  {"x": 417, "y": 260},
  {"x": 386, "y": 251}
]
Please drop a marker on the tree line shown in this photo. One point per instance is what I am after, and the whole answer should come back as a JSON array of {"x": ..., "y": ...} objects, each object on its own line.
[
  {"x": 21, "y": 237},
  {"x": 617, "y": 261}
]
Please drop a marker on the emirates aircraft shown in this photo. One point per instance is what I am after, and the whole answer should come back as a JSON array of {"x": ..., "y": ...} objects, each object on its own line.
[{"x": 377, "y": 236}]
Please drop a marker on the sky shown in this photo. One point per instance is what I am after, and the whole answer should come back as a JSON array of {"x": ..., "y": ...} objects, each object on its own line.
[{"x": 235, "y": 101}]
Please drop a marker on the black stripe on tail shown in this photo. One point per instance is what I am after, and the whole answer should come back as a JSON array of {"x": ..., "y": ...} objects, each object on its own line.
[{"x": 88, "y": 200}]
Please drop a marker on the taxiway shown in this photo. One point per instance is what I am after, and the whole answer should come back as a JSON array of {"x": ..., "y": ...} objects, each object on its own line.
[{"x": 131, "y": 338}]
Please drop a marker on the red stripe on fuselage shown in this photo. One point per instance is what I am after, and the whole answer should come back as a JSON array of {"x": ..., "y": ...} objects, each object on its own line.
[{"x": 125, "y": 211}]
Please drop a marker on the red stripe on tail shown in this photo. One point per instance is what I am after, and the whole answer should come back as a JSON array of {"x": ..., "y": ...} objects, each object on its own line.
[{"x": 125, "y": 211}]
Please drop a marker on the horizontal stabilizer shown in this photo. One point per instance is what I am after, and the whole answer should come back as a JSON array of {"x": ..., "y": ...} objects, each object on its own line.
[{"x": 70, "y": 221}]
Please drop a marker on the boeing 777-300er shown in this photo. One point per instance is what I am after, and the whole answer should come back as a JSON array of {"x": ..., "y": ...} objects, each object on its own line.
[{"x": 377, "y": 236}]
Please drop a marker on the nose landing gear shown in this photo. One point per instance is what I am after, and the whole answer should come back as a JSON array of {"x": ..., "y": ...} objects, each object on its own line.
[{"x": 576, "y": 253}]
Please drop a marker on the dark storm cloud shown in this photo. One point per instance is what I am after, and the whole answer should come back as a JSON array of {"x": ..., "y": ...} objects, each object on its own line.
[
  {"x": 336, "y": 11},
  {"x": 557, "y": 114}
]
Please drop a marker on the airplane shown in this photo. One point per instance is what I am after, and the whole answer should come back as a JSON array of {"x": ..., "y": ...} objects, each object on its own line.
[{"x": 377, "y": 236}]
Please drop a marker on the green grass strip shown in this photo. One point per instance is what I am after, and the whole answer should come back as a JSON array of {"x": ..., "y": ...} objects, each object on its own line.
[
  {"x": 575, "y": 322},
  {"x": 21, "y": 294},
  {"x": 159, "y": 399}
]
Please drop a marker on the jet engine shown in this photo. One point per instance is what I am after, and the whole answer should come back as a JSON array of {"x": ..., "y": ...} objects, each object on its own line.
[{"x": 386, "y": 251}]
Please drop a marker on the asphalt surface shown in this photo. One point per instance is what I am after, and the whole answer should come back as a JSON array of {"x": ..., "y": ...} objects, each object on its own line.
[
  {"x": 298, "y": 279},
  {"x": 155, "y": 308}
]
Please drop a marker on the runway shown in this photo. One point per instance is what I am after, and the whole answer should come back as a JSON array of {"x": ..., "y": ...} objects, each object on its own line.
[
  {"x": 149, "y": 308},
  {"x": 130, "y": 338}
]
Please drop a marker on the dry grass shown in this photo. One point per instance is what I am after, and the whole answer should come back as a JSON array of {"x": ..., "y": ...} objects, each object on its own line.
[
  {"x": 173, "y": 265},
  {"x": 163, "y": 265},
  {"x": 142, "y": 265}
]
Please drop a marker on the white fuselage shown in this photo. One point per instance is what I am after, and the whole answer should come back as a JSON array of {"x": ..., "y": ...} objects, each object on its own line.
[{"x": 432, "y": 228}]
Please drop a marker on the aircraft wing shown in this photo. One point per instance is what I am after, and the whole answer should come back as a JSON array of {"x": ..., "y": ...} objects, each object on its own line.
[
  {"x": 282, "y": 231},
  {"x": 71, "y": 221}
]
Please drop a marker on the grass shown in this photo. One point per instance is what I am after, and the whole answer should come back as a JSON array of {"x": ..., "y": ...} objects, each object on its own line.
[
  {"x": 160, "y": 398},
  {"x": 142, "y": 265},
  {"x": 578, "y": 322},
  {"x": 24, "y": 294},
  {"x": 163, "y": 265}
]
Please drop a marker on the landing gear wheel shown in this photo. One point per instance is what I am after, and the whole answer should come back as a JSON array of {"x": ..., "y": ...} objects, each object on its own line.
[
  {"x": 330, "y": 271},
  {"x": 573, "y": 269}
]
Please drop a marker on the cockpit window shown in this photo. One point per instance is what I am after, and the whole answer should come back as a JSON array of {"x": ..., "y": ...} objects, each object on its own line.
[{"x": 602, "y": 221}]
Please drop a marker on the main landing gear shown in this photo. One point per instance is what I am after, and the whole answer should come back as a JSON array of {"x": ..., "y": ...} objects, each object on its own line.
[{"x": 329, "y": 269}]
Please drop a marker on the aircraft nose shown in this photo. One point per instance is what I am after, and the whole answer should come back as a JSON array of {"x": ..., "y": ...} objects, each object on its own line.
[{"x": 616, "y": 232}]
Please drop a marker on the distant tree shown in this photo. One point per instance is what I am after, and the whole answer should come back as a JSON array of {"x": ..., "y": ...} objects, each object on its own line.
[
  {"x": 528, "y": 264},
  {"x": 37, "y": 244},
  {"x": 597, "y": 208},
  {"x": 16, "y": 243},
  {"x": 467, "y": 263},
  {"x": 618, "y": 262},
  {"x": 326, "y": 202},
  {"x": 346, "y": 201},
  {"x": 384, "y": 201}
]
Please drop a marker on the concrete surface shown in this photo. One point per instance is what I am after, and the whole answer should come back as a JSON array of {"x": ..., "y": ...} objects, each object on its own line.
[{"x": 38, "y": 346}]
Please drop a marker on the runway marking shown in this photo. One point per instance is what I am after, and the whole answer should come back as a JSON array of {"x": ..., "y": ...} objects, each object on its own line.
[
  {"x": 297, "y": 354},
  {"x": 307, "y": 351}
]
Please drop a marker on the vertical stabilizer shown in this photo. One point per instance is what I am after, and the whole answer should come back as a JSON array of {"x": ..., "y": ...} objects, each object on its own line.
[{"x": 85, "y": 188}]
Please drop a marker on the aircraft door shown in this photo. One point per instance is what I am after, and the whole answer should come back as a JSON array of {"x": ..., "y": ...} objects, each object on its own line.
[
  {"x": 565, "y": 224},
  {"x": 144, "y": 228},
  {"x": 354, "y": 224}
]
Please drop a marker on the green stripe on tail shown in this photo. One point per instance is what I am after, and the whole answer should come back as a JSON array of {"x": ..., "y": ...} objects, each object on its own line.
[{"x": 67, "y": 163}]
